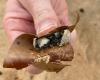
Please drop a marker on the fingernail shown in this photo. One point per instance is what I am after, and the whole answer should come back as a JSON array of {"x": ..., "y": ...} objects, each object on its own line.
[
  {"x": 46, "y": 26},
  {"x": 45, "y": 18}
]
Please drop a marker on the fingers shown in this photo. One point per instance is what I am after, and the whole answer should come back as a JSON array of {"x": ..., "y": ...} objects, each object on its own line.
[
  {"x": 45, "y": 18},
  {"x": 17, "y": 27},
  {"x": 33, "y": 70},
  {"x": 61, "y": 10},
  {"x": 17, "y": 21}
]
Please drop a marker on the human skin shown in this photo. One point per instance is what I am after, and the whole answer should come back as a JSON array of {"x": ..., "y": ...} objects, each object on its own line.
[{"x": 37, "y": 17}]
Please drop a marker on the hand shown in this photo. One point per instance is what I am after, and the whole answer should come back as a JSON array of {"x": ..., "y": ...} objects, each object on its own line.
[
  {"x": 37, "y": 17},
  {"x": 34, "y": 17}
]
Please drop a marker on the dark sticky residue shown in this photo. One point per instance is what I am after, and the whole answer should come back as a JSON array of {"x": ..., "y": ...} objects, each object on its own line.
[{"x": 54, "y": 40}]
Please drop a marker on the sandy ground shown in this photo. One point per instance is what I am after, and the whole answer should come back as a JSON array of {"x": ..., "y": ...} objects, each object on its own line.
[{"x": 86, "y": 64}]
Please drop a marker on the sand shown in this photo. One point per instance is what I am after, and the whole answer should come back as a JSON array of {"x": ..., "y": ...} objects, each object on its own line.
[{"x": 86, "y": 63}]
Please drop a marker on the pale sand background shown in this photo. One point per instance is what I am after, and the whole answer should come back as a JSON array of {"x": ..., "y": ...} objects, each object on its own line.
[{"x": 86, "y": 65}]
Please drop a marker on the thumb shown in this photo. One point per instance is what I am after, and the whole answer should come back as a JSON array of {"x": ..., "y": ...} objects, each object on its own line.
[{"x": 44, "y": 16}]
